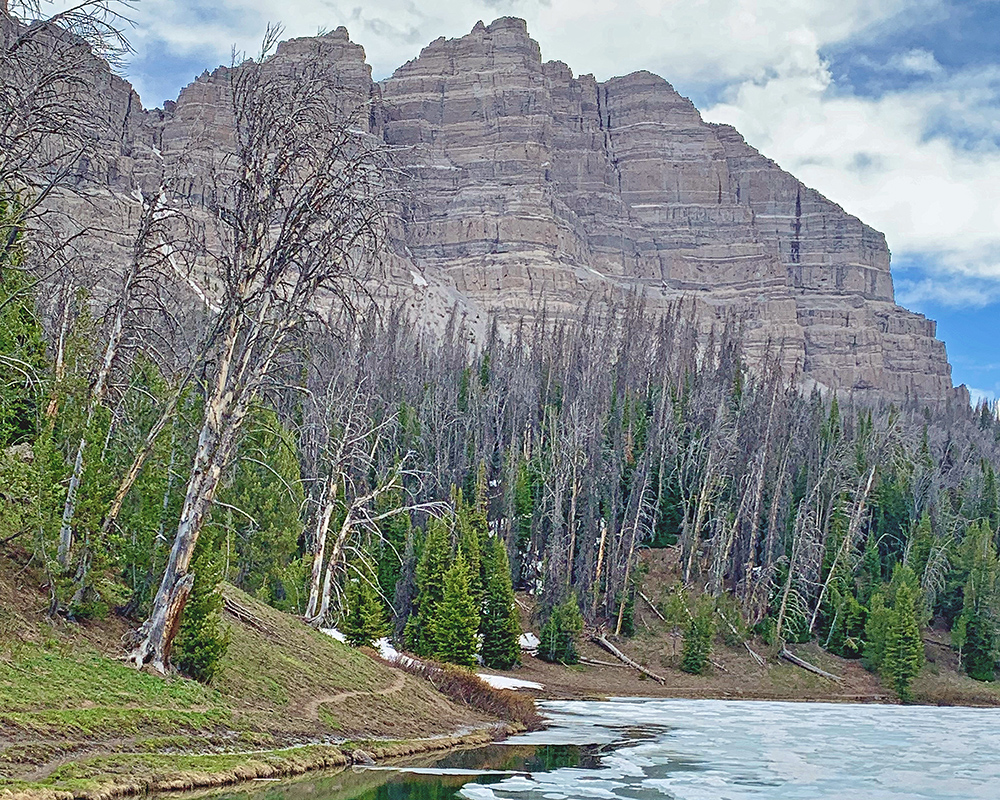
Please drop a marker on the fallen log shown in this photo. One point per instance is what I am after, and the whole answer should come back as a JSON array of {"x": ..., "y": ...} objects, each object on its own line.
[
  {"x": 754, "y": 654},
  {"x": 653, "y": 607},
  {"x": 757, "y": 657},
  {"x": 603, "y": 642},
  {"x": 598, "y": 663},
  {"x": 247, "y": 617},
  {"x": 799, "y": 662}
]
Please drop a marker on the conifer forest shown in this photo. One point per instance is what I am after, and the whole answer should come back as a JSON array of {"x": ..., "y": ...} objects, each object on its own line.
[{"x": 233, "y": 404}]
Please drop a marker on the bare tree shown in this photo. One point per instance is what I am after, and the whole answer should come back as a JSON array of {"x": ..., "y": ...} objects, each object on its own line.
[{"x": 297, "y": 211}]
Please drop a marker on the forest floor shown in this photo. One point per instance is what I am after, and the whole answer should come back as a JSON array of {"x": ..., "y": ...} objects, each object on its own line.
[
  {"x": 77, "y": 721},
  {"x": 734, "y": 674}
]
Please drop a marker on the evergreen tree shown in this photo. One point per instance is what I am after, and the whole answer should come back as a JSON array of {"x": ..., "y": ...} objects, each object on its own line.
[
  {"x": 979, "y": 651},
  {"x": 499, "y": 626},
  {"x": 434, "y": 559},
  {"x": 364, "y": 622},
  {"x": 989, "y": 503},
  {"x": 921, "y": 543},
  {"x": 559, "y": 633},
  {"x": 979, "y": 627},
  {"x": 876, "y": 633},
  {"x": 698, "y": 637},
  {"x": 23, "y": 361},
  {"x": 904, "y": 649},
  {"x": 201, "y": 642},
  {"x": 394, "y": 531},
  {"x": 470, "y": 520},
  {"x": 263, "y": 533},
  {"x": 457, "y": 619}
]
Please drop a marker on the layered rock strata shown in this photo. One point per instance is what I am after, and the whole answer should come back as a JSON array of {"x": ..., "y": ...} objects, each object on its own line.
[{"x": 531, "y": 187}]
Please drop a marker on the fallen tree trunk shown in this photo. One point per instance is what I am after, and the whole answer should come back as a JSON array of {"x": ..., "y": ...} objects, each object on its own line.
[
  {"x": 603, "y": 642},
  {"x": 794, "y": 659},
  {"x": 754, "y": 654},
  {"x": 599, "y": 663},
  {"x": 757, "y": 657},
  {"x": 653, "y": 607}
]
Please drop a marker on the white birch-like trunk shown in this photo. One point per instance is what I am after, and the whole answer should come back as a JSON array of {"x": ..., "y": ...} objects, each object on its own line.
[
  {"x": 335, "y": 551},
  {"x": 319, "y": 546}
]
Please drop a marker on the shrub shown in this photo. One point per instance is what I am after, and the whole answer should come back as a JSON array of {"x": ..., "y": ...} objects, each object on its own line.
[{"x": 465, "y": 687}]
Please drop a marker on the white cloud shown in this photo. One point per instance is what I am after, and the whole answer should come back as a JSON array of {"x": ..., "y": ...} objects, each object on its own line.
[
  {"x": 710, "y": 40},
  {"x": 915, "y": 62},
  {"x": 977, "y": 396},
  {"x": 950, "y": 290}
]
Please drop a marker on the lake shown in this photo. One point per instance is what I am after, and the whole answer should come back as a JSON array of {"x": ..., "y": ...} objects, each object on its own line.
[{"x": 700, "y": 750}]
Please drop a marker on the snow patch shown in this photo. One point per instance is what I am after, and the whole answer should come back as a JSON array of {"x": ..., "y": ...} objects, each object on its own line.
[
  {"x": 529, "y": 641},
  {"x": 418, "y": 280},
  {"x": 335, "y": 634},
  {"x": 502, "y": 682}
]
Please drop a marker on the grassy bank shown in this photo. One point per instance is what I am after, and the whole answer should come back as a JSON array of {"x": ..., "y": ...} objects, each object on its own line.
[
  {"x": 76, "y": 719},
  {"x": 110, "y": 776}
]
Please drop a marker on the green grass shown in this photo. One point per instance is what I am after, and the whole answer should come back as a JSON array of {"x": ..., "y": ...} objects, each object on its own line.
[{"x": 63, "y": 677}]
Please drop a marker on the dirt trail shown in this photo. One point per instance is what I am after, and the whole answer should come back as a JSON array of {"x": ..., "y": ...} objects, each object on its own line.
[{"x": 311, "y": 709}]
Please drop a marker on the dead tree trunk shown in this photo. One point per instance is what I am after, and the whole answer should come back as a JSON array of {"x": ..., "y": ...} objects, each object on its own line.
[
  {"x": 215, "y": 445},
  {"x": 327, "y": 506},
  {"x": 603, "y": 642}
]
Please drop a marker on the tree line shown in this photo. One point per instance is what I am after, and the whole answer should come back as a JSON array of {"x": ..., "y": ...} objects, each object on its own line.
[{"x": 232, "y": 406}]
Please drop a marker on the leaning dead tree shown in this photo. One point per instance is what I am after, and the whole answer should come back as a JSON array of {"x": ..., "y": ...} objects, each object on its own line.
[{"x": 297, "y": 211}]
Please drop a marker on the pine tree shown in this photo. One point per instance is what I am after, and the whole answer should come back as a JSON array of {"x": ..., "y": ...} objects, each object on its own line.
[
  {"x": 23, "y": 361},
  {"x": 420, "y": 630},
  {"x": 876, "y": 633},
  {"x": 979, "y": 627},
  {"x": 365, "y": 619},
  {"x": 499, "y": 626},
  {"x": 470, "y": 519},
  {"x": 201, "y": 643},
  {"x": 558, "y": 634},
  {"x": 457, "y": 620},
  {"x": 394, "y": 532},
  {"x": 979, "y": 651},
  {"x": 698, "y": 636},
  {"x": 904, "y": 649}
]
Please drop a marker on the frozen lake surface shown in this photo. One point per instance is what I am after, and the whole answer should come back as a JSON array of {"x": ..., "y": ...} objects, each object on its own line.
[
  {"x": 729, "y": 750},
  {"x": 694, "y": 750}
]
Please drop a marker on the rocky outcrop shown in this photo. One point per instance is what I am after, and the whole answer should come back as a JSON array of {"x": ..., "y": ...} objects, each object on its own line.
[
  {"x": 529, "y": 186},
  {"x": 533, "y": 185}
]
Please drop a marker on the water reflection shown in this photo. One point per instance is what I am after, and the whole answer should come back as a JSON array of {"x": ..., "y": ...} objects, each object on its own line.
[{"x": 482, "y": 765}]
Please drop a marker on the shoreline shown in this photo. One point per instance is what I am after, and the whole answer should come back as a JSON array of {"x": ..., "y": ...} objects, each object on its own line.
[
  {"x": 262, "y": 765},
  {"x": 290, "y": 762}
]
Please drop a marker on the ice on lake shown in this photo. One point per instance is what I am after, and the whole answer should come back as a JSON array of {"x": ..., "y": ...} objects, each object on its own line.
[{"x": 730, "y": 750}]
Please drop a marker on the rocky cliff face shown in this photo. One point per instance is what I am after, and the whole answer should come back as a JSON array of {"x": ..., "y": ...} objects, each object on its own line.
[
  {"x": 530, "y": 186},
  {"x": 534, "y": 184}
]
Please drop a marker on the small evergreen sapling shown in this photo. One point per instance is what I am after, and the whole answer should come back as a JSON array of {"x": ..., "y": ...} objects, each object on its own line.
[
  {"x": 364, "y": 623},
  {"x": 559, "y": 633},
  {"x": 201, "y": 643},
  {"x": 698, "y": 637}
]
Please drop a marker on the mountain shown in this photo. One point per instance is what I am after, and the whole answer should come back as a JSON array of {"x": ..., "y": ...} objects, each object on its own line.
[{"x": 528, "y": 187}]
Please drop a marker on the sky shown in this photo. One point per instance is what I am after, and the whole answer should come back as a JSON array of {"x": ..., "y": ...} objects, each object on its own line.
[{"x": 891, "y": 108}]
